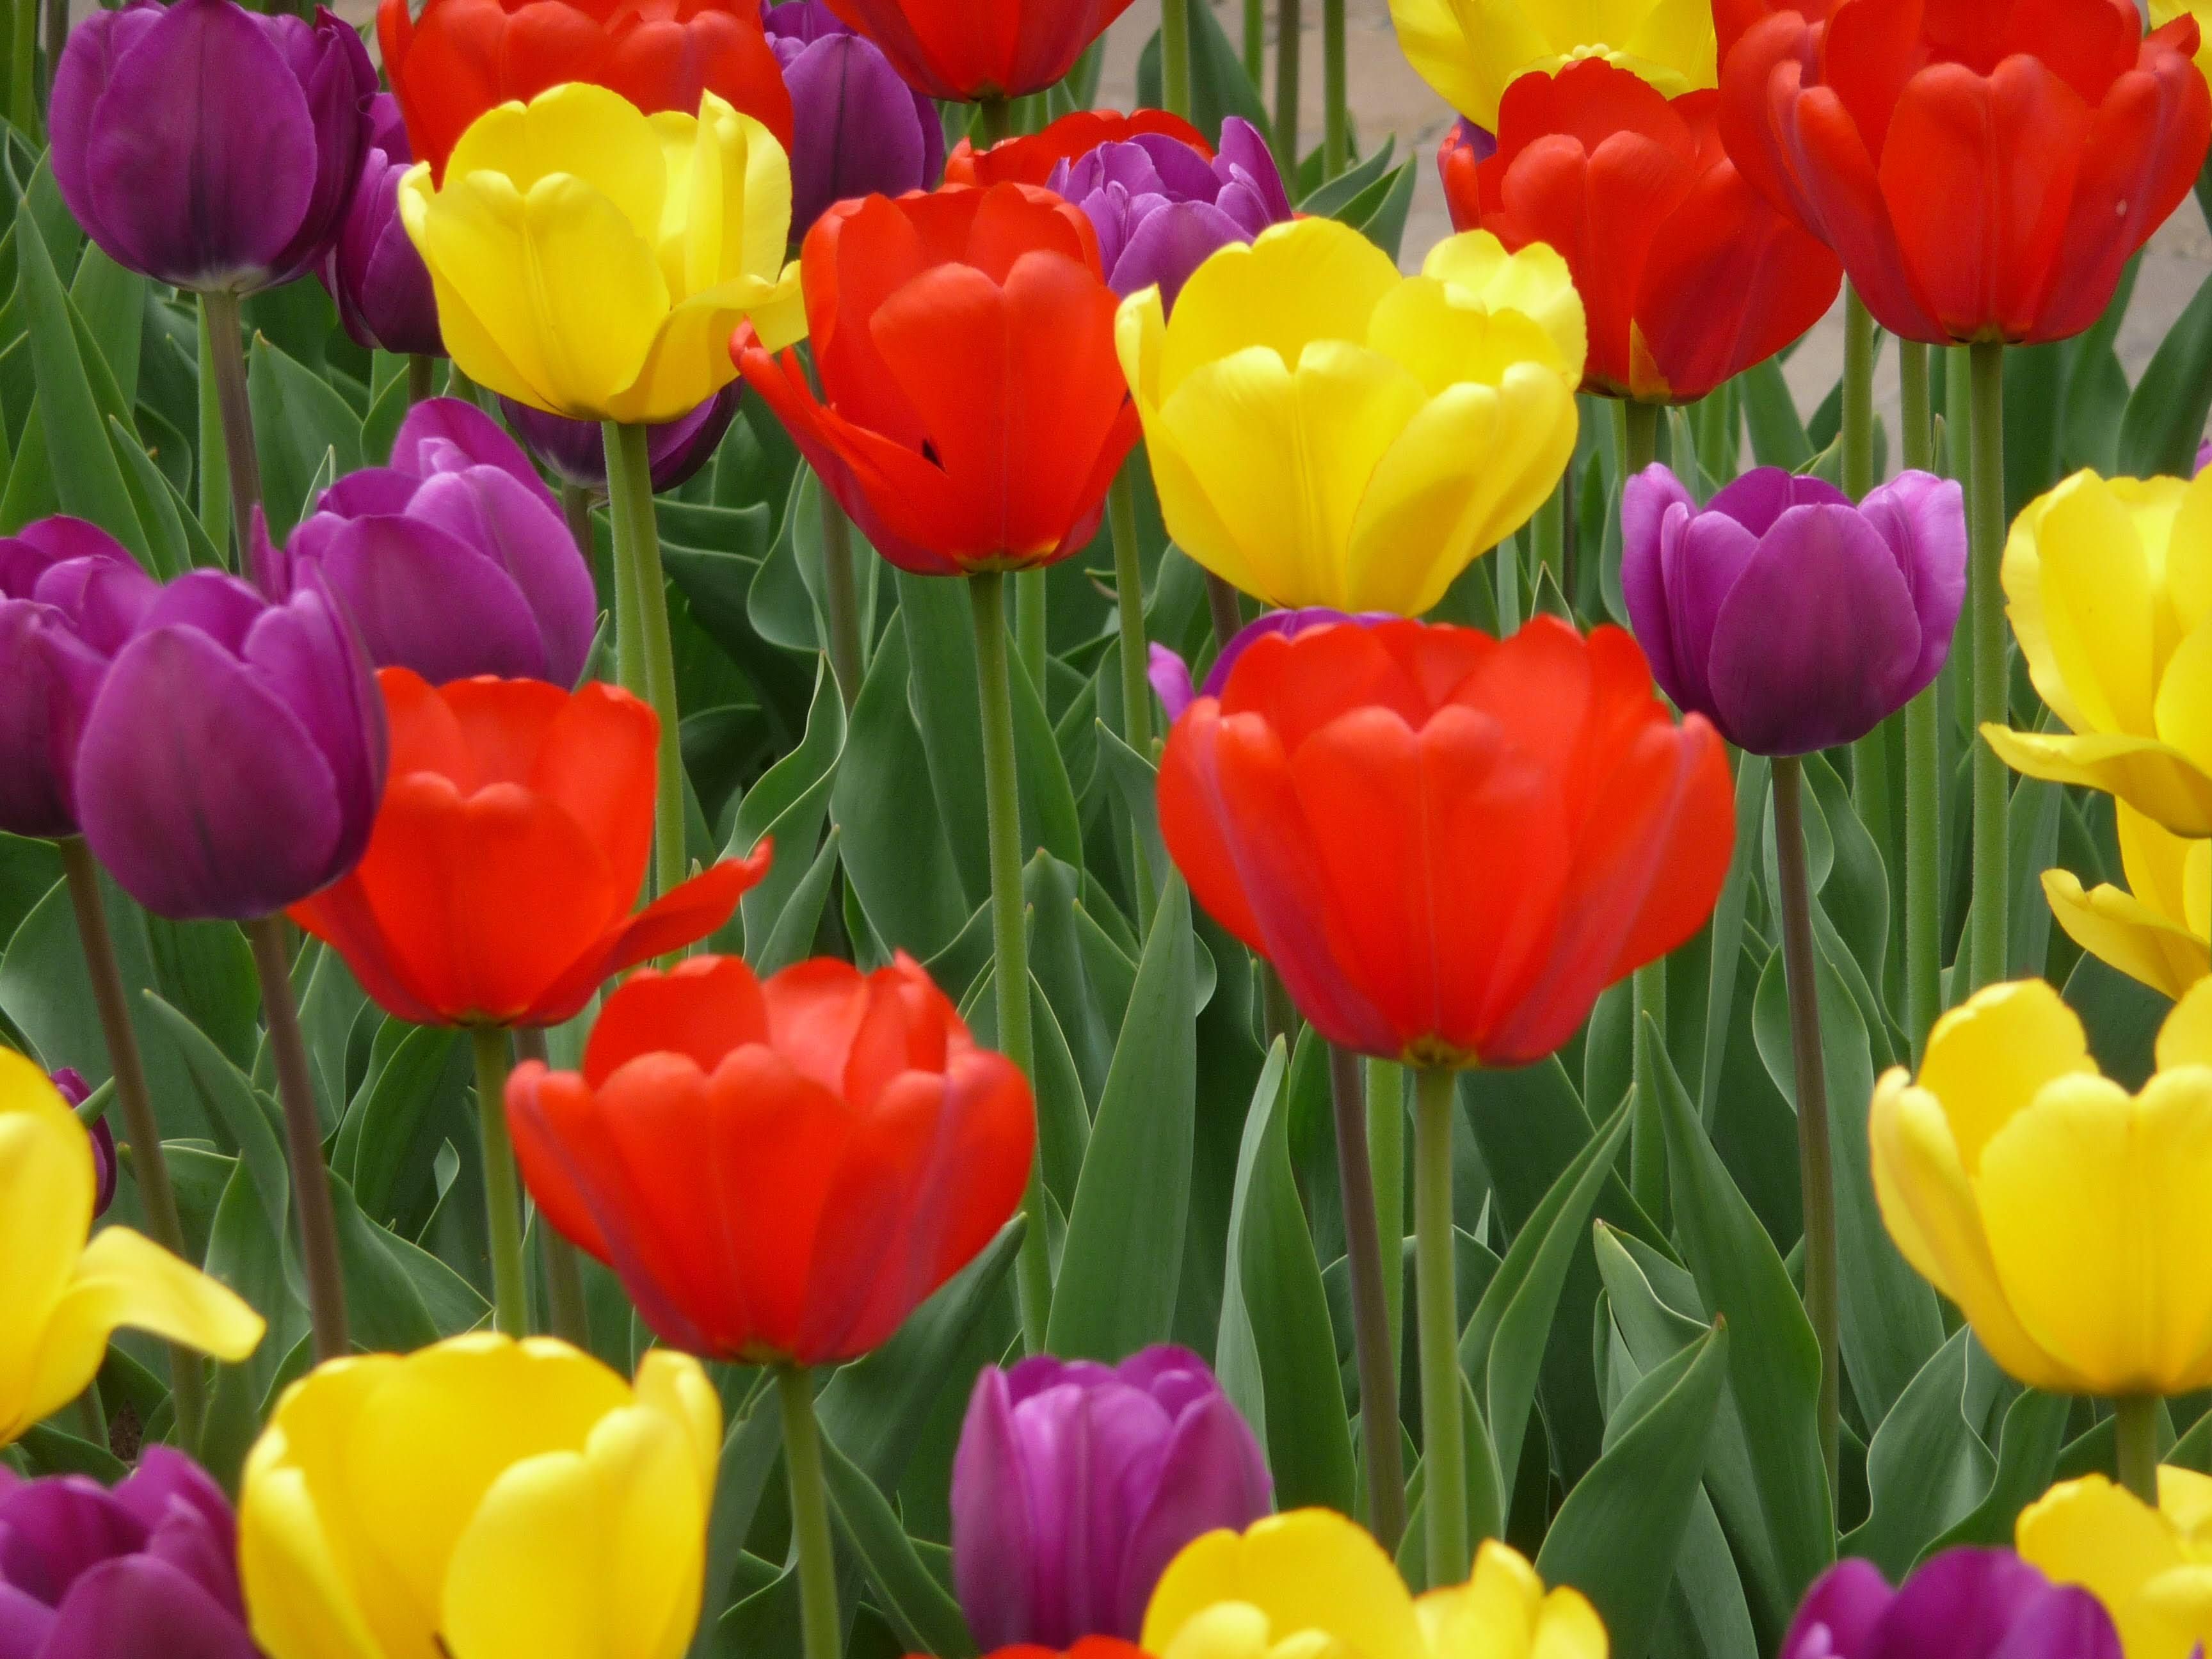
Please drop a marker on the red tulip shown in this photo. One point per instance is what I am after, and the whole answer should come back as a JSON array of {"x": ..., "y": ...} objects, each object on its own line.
[
  {"x": 973, "y": 410},
  {"x": 967, "y": 50},
  {"x": 1688, "y": 275},
  {"x": 777, "y": 1171},
  {"x": 1447, "y": 844},
  {"x": 1733, "y": 19},
  {"x": 1030, "y": 159},
  {"x": 1984, "y": 168}
]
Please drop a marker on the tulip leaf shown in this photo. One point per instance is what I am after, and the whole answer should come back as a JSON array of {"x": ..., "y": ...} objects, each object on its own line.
[
  {"x": 1326, "y": 201},
  {"x": 301, "y": 425},
  {"x": 750, "y": 1452},
  {"x": 787, "y": 806},
  {"x": 1219, "y": 85},
  {"x": 2028, "y": 1445},
  {"x": 780, "y": 604},
  {"x": 1084, "y": 974},
  {"x": 1486, "y": 1496},
  {"x": 247, "y": 1116},
  {"x": 49, "y": 1451},
  {"x": 1136, "y": 784},
  {"x": 921, "y": 1613},
  {"x": 793, "y": 939},
  {"x": 1063, "y": 1115},
  {"x": 1724, "y": 960},
  {"x": 2122, "y": 1017},
  {"x": 2165, "y": 414},
  {"x": 110, "y": 303},
  {"x": 1927, "y": 1468},
  {"x": 1777, "y": 436},
  {"x": 1123, "y": 1254},
  {"x": 383, "y": 1148}
]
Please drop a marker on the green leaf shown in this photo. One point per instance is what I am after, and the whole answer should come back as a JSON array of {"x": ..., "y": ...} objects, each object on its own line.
[
  {"x": 787, "y": 806},
  {"x": 1123, "y": 1253},
  {"x": 1926, "y": 1468},
  {"x": 1726, "y": 957},
  {"x": 249, "y": 1116},
  {"x": 750, "y": 1452},
  {"x": 2028, "y": 1445},
  {"x": 2166, "y": 412},
  {"x": 382, "y": 1142},
  {"x": 299, "y": 420},
  {"x": 925, "y": 1617},
  {"x": 1218, "y": 86},
  {"x": 1777, "y": 436}
]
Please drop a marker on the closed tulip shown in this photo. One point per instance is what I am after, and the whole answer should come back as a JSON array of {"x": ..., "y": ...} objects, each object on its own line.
[
  {"x": 2108, "y": 583},
  {"x": 207, "y": 146},
  {"x": 576, "y": 451},
  {"x": 973, "y": 49},
  {"x": 481, "y": 1499},
  {"x": 1029, "y": 158},
  {"x": 1312, "y": 1581},
  {"x": 857, "y": 129},
  {"x": 451, "y": 61},
  {"x": 2152, "y": 1569},
  {"x": 374, "y": 275},
  {"x": 1325, "y": 432},
  {"x": 590, "y": 261},
  {"x": 1688, "y": 275},
  {"x": 69, "y": 1084},
  {"x": 972, "y": 415},
  {"x": 1447, "y": 845},
  {"x": 1791, "y": 618},
  {"x": 2156, "y": 929},
  {"x": 1960, "y": 1604},
  {"x": 512, "y": 841},
  {"x": 62, "y": 1296},
  {"x": 1471, "y": 51},
  {"x": 1984, "y": 168},
  {"x": 779, "y": 1170},
  {"x": 2064, "y": 1216}
]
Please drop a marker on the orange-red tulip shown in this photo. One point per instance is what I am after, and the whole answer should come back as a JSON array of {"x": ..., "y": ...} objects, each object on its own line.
[
  {"x": 1030, "y": 160},
  {"x": 777, "y": 1171},
  {"x": 973, "y": 410},
  {"x": 508, "y": 854},
  {"x": 1447, "y": 844},
  {"x": 973, "y": 49},
  {"x": 1733, "y": 19}
]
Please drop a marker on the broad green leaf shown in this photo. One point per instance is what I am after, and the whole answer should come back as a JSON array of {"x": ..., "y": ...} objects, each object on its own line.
[
  {"x": 787, "y": 806},
  {"x": 1927, "y": 1468},
  {"x": 300, "y": 425},
  {"x": 2166, "y": 413},
  {"x": 921, "y": 1611},
  {"x": 2029, "y": 1446},
  {"x": 750, "y": 1450},
  {"x": 1725, "y": 959}
]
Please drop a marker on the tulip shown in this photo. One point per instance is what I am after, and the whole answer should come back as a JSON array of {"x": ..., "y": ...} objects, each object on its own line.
[
  {"x": 1733, "y": 19},
  {"x": 2059, "y": 1213},
  {"x": 1960, "y": 1604},
  {"x": 1029, "y": 158},
  {"x": 2155, "y": 930},
  {"x": 1075, "y": 1485},
  {"x": 230, "y": 761},
  {"x": 858, "y": 129},
  {"x": 778, "y": 1171},
  {"x": 590, "y": 260},
  {"x": 2101, "y": 585},
  {"x": 1312, "y": 1581},
  {"x": 1983, "y": 170},
  {"x": 452, "y": 561},
  {"x": 1325, "y": 432},
  {"x": 2148, "y": 1566},
  {"x": 1689, "y": 276},
  {"x": 1791, "y": 619},
  {"x": 1170, "y": 674},
  {"x": 146, "y": 1570},
  {"x": 451, "y": 61},
  {"x": 1471, "y": 51},
  {"x": 68, "y": 1083},
  {"x": 576, "y": 451},
  {"x": 972, "y": 413},
  {"x": 207, "y": 146},
  {"x": 481, "y": 1499},
  {"x": 1091, "y": 1647},
  {"x": 2165, "y": 11},
  {"x": 973, "y": 50},
  {"x": 512, "y": 801},
  {"x": 370, "y": 270},
  {"x": 62, "y": 1296}
]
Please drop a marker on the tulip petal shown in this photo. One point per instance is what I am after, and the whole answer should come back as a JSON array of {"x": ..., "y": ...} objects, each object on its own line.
[
  {"x": 2123, "y": 932},
  {"x": 702, "y": 1007},
  {"x": 135, "y": 1607},
  {"x": 2093, "y": 606},
  {"x": 45, "y": 1166},
  {"x": 1989, "y": 1059},
  {"x": 682, "y": 916},
  {"x": 1210, "y": 1477},
  {"x": 427, "y": 600},
  {"x": 1308, "y": 281},
  {"x": 1308, "y": 1570},
  {"x": 584, "y": 131},
  {"x": 2155, "y": 779},
  {"x": 2093, "y": 1534},
  {"x": 297, "y": 1597}
]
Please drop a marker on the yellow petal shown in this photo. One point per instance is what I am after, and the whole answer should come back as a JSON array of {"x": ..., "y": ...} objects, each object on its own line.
[
  {"x": 2154, "y": 778},
  {"x": 1140, "y": 337},
  {"x": 583, "y": 131},
  {"x": 1534, "y": 282},
  {"x": 2187, "y": 565},
  {"x": 45, "y": 1210},
  {"x": 1503, "y": 1613},
  {"x": 675, "y": 1385},
  {"x": 2093, "y": 1534},
  {"x": 2186, "y": 1038},
  {"x": 2183, "y": 713},
  {"x": 689, "y": 360},
  {"x": 2163, "y": 12},
  {"x": 1468, "y": 49},
  {"x": 298, "y": 1602},
  {"x": 2097, "y": 593},
  {"x": 755, "y": 212},
  {"x": 1987, "y": 1057},
  {"x": 2170, "y": 1617},
  {"x": 1568, "y": 1628},
  {"x": 1308, "y": 1569},
  {"x": 2121, "y": 931},
  {"x": 1672, "y": 38},
  {"x": 1307, "y": 281},
  {"x": 2184, "y": 1498}
]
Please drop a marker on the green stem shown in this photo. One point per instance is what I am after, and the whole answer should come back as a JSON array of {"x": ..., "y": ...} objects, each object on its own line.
[
  {"x": 1816, "y": 1180},
  {"x": 1255, "y": 41},
  {"x": 841, "y": 597},
  {"x": 1444, "y": 1431},
  {"x": 57, "y": 34},
  {"x": 1924, "y": 792},
  {"x": 2135, "y": 1437},
  {"x": 1010, "y": 945},
  {"x": 564, "y": 1274},
  {"x": 576, "y": 513},
  {"x": 421, "y": 372},
  {"x": 303, "y": 1141},
  {"x": 1371, "y": 1318},
  {"x": 1647, "y": 1135},
  {"x": 1225, "y": 611},
  {"x": 810, "y": 1513},
  {"x": 1175, "y": 55},
  {"x": 1289, "y": 47},
  {"x": 637, "y": 550},
  {"x": 23, "y": 70},
  {"x": 1385, "y": 1158},
  {"x": 510, "y": 1290},
  {"x": 998, "y": 115},
  {"x": 1638, "y": 436},
  {"x": 227, "y": 357},
  {"x": 1858, "y": 395},
  {"x": 213, "y": 501},
  {"x": 1918, "y": 439},
  {"x": 150, "y": 1164},
  {"x": 1136, "y": 689},
  {"x": 1985, "y": 597},
  {"x": 1336, "y": 119}
]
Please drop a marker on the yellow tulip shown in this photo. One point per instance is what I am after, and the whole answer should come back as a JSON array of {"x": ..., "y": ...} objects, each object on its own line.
[
  {"x": 592, "y": 261},
  {"x": 2156, "y": 931},
  {"x": 62, "y": 1297},
  {"x": 2109, "y": 586},
  {"x": 483, "y": 1498},
  {"x": 1312, "y": 1584},
  {"x": 1324, "y": 431},
  {"x": 2064, "y": 1217},
  {"x": 1470, "y": 50},
  {"x": 2163, "y": 12},
  {"x": 2151, "y": 1568}
]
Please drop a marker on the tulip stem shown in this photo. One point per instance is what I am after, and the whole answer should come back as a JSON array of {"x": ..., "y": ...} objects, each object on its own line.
[
  {"x": 1443, "y": 1431},
  {"x": 637, "y": 556},
  {"x": 1175, "y": 58},
  {"x": 1858, "y": 396},
  {"x": 1010, "y": 945},
  {"x": 841, "y": 597},
  {"x": 1255, "y": 41},
  {"x": 576, "y": 513},
  {"x": 2135, "y": 1440},
  {"x": 1371, "y": 1315},
  {"x": 23, "y": 70},
  {"x": 1923, "y": 793},
  {"x": 1336, "y": 117},
  {"x": 1136, "y": 689},
  {"x": 149, "y": 1165},
  {"x": 422, "y": 375},
  {"x": 1816, "y": 1180},
  {"x": 1386, "y": 1160},
  {"x": 564, "y": 1276},
  {"x": 214, "y": 497},
  {"x": 998, "y": 118},
  {"x": 227, "y": 357},
  {"x": 303, "y": 1140},
  {"x": 810, "y": 1513},
  {"x": 1224, "y": 610},
  {"x": 1986, "y": 597},
  {"x": 1289, "y": 48},
  {"x": 510, "y": 1291}
]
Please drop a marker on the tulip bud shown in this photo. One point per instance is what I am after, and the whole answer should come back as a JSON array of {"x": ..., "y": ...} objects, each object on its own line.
[
  {"x": 576, "y": 451},
  {"x": 1965, "y": 1603},
  {"x": 372, "y": 272},
  {"x": 858, "y": 129},
  {"x": 69, "y": 1084}
]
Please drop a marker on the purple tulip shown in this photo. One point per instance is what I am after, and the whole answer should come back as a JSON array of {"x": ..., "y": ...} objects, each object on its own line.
[
  {"x": 2204, "y": 457},
  {"x": 1160, "y": 208},
  {"x": 1789, "y": 618},
  {"x": 857, "y": 129},
  {"x": 232, "y": 761},
  {"x": 453, "y": 561},
  {"x": 208, "y": 146},
  {"x": 1170, "y": 675},
  {"x": 1075, "y": 1485},
  {"x": 147, "y": 1571},
  {"x": 1962, "y": 1604},
  {"x": 69, "y": 1084},
  {"x": 576, "y": 451},
  {"x": 371, "y": 269}
]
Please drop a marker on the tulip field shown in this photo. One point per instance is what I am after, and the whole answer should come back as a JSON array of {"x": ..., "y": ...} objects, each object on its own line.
[{"x": 807, "y": 851}]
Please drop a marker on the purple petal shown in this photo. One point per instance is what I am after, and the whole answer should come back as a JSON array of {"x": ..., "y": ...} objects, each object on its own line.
[
  {"x": 1763, "y": 494},
  {"x": 1289, "y": 624},
  {"x": 1170, "y": 677},
  {"x": 1171, "y": 1374},
  {"x": 48, "y": 679},
  {"x": 1184, "y": 174},
  {"x": 103, "y": 1168},
  {"x": 426, "y": 599},
  {"x": 1092, "y": 1462},
  {"x": 337, "y": 81},
  {"x": 374, "y": 272},
  {"x": 856, "y": 128},
  {"x": 38, "y": 547},
  {"x": 1167, "y": 244},
  {"x": 447, "y": 435},
  {"x": 1959, "y": 1605},
  {"x": 387, "y": 129},
  {"x": 358, "y": 496},
  {"x": 87, "y": 67},
  {"x": 190, "y": 1523},
  {"x": 528, "y": 540},
  {"x": 312, "y": 660},
  {"x": 142, "y": 1608},
  {"x": 52, "y": 1530},
  {"x": 208, "y": 602},
  {"x": 994, "y": 1542},
  {"x": 1211, "y": 1473},
  {"x": 1645, "y": 504},
  {"x": 1481, "y": 142},
  {"x": 676, "y": 449},
  {"x": 803, "y": 21},
  {"x": 25, "y": 1622},
  {"x": 2061, "y": 1621},
  {"x": 1923, "y": 519},
  {"x": 1244, "y": 159},
  {"x": 575, "y": 450},
  {"x": 1839, "y": 1614}
]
